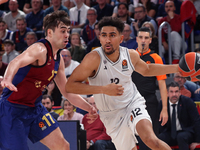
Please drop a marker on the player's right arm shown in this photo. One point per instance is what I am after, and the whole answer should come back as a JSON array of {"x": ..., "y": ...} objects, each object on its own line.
[
  {"x": 88, "y": 68},
  {"x": 151, "y": 69},
  {"x": 35, "y": 54}
]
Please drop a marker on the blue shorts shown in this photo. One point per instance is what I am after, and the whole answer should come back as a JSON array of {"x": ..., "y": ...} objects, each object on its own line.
[{"x": 18, "y": 122}]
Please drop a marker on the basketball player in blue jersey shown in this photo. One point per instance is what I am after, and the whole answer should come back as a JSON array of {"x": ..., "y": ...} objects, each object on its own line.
[
  {"x": 109, "y": 69},
  {"x": 22, "y": 115}
]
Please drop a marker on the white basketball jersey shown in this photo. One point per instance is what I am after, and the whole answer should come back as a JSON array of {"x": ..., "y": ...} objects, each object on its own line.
[{"x": 118, "y": 72}]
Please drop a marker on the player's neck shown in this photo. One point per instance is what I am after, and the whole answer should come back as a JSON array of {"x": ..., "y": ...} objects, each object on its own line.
[
  {"x": 115, "y": 56},
  {"x": 54, "y": 47}
]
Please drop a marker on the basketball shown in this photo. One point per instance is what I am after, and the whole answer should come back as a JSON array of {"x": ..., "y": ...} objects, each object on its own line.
[{"x": 189, "y": 66}]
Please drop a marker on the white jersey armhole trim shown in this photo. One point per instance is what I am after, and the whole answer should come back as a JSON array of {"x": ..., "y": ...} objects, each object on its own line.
[
  {"x": 129, "y": 59},
  {"x": 98, "y": 67}
]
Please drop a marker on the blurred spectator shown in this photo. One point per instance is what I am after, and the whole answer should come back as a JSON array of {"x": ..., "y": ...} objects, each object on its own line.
[
  {"x": 30, "y": 38},
  {"x": 161, "y": 9},
  {"x": 2, "y": 14},
  {"x": 68, "y": 3},
  {"x": 36, "y": 14},
  {"x": 20, "y": 34},
  {"x": 130, "y": 7},
  {"x": 29, "y": 4},
  {"x": 122, "y": 13},
  {"x": 114, "y": 2},
  {"x": 154, "y": 42},
  {"x": 1, "y": 88},
  {"x": 3, "y": 65},
  {"x": 78, "y": 15},
  {"x": 56, "y": 5},
  {"x": 140, "y": 16},
  {"x": 77, "y": 50},
  {"x": 103, "y": 9},
  {"x": 91, "y": 3},
  {"x": 10, "y": 52},
  {"x": 183, "y": 122},
  {"x": 128, "y": 41},
  {"x": 48, "y": 103},
  {"x": 181, "y": 81},
  {"x": 95, "y": 42},
  {"x": 88, "y": 32},
  {"x": 69, "y": 113},
  {"x": 175, "y": 23},
  {"x": 151, "y": 7},
  {"x": 197, "y": 25},
  {"x": 70, "y": 64},
  {"x": 97, "y": 139},
  {"x": 4, "y": 33},
  {"x": 13, "y": 14},
  {"x": 194, "y": 88}
]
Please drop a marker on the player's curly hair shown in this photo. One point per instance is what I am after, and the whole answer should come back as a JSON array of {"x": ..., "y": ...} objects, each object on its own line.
[
  {"x": 52, "y": 20},
  {"x": 112, "y": 21}
]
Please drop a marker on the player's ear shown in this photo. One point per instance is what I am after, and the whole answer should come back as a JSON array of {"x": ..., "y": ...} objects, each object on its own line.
[
  {"x": 49, "y": 32},
  {"x": 121, "y": 38}
]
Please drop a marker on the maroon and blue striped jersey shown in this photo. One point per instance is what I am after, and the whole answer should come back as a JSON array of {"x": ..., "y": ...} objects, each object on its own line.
[{"x": 32, "y": 80}]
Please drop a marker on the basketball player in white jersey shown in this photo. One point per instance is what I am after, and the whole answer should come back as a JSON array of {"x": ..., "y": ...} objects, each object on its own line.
[{"x": 109, "y": 68}]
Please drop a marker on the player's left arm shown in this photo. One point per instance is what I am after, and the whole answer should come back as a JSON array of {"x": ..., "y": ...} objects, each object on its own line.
[
  {"x": 75, "y": 99},
  {"x": 150, "y": 69},
  {"x": 163, "y": 94}
]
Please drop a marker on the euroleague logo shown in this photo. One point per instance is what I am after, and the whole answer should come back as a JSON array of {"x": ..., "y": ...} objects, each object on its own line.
[
  {"x": 124, "y": 64},
  {"x": 42, "y": 125}
]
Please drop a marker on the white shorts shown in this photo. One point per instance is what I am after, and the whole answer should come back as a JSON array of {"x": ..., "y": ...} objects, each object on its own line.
[{"x": 121, "y": 124}]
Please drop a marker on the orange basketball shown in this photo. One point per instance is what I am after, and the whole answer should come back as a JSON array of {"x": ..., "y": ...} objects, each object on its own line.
[{"x": 189, "y": 66}]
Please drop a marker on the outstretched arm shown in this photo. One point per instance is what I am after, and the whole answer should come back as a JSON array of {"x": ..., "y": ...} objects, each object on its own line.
[
  {"x": 88, "y": 68},
  {"x": 150, "y": 69},
  {"x": 76, "y": 100},
  {"x": 35, "y": 54}
]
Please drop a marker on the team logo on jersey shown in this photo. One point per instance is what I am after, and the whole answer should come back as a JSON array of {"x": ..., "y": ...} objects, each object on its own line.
[
  {"x": 105, "y": 68},
  {"x": 42, "y": 125},
  {"x": 104, "y": 61},
  {"x": 37, "y": 84},
  {"x": 124, "y": 64}
]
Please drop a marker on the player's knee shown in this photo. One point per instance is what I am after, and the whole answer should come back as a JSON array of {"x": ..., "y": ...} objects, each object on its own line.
[
  {"x": 62, "y": 145},
  {"x": 151, "y": 142},
  {"x": 66, "y": 145}
]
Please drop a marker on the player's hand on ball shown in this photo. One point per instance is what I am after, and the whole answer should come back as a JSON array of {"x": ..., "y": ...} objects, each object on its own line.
[{"x": 114, "y": 89}]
